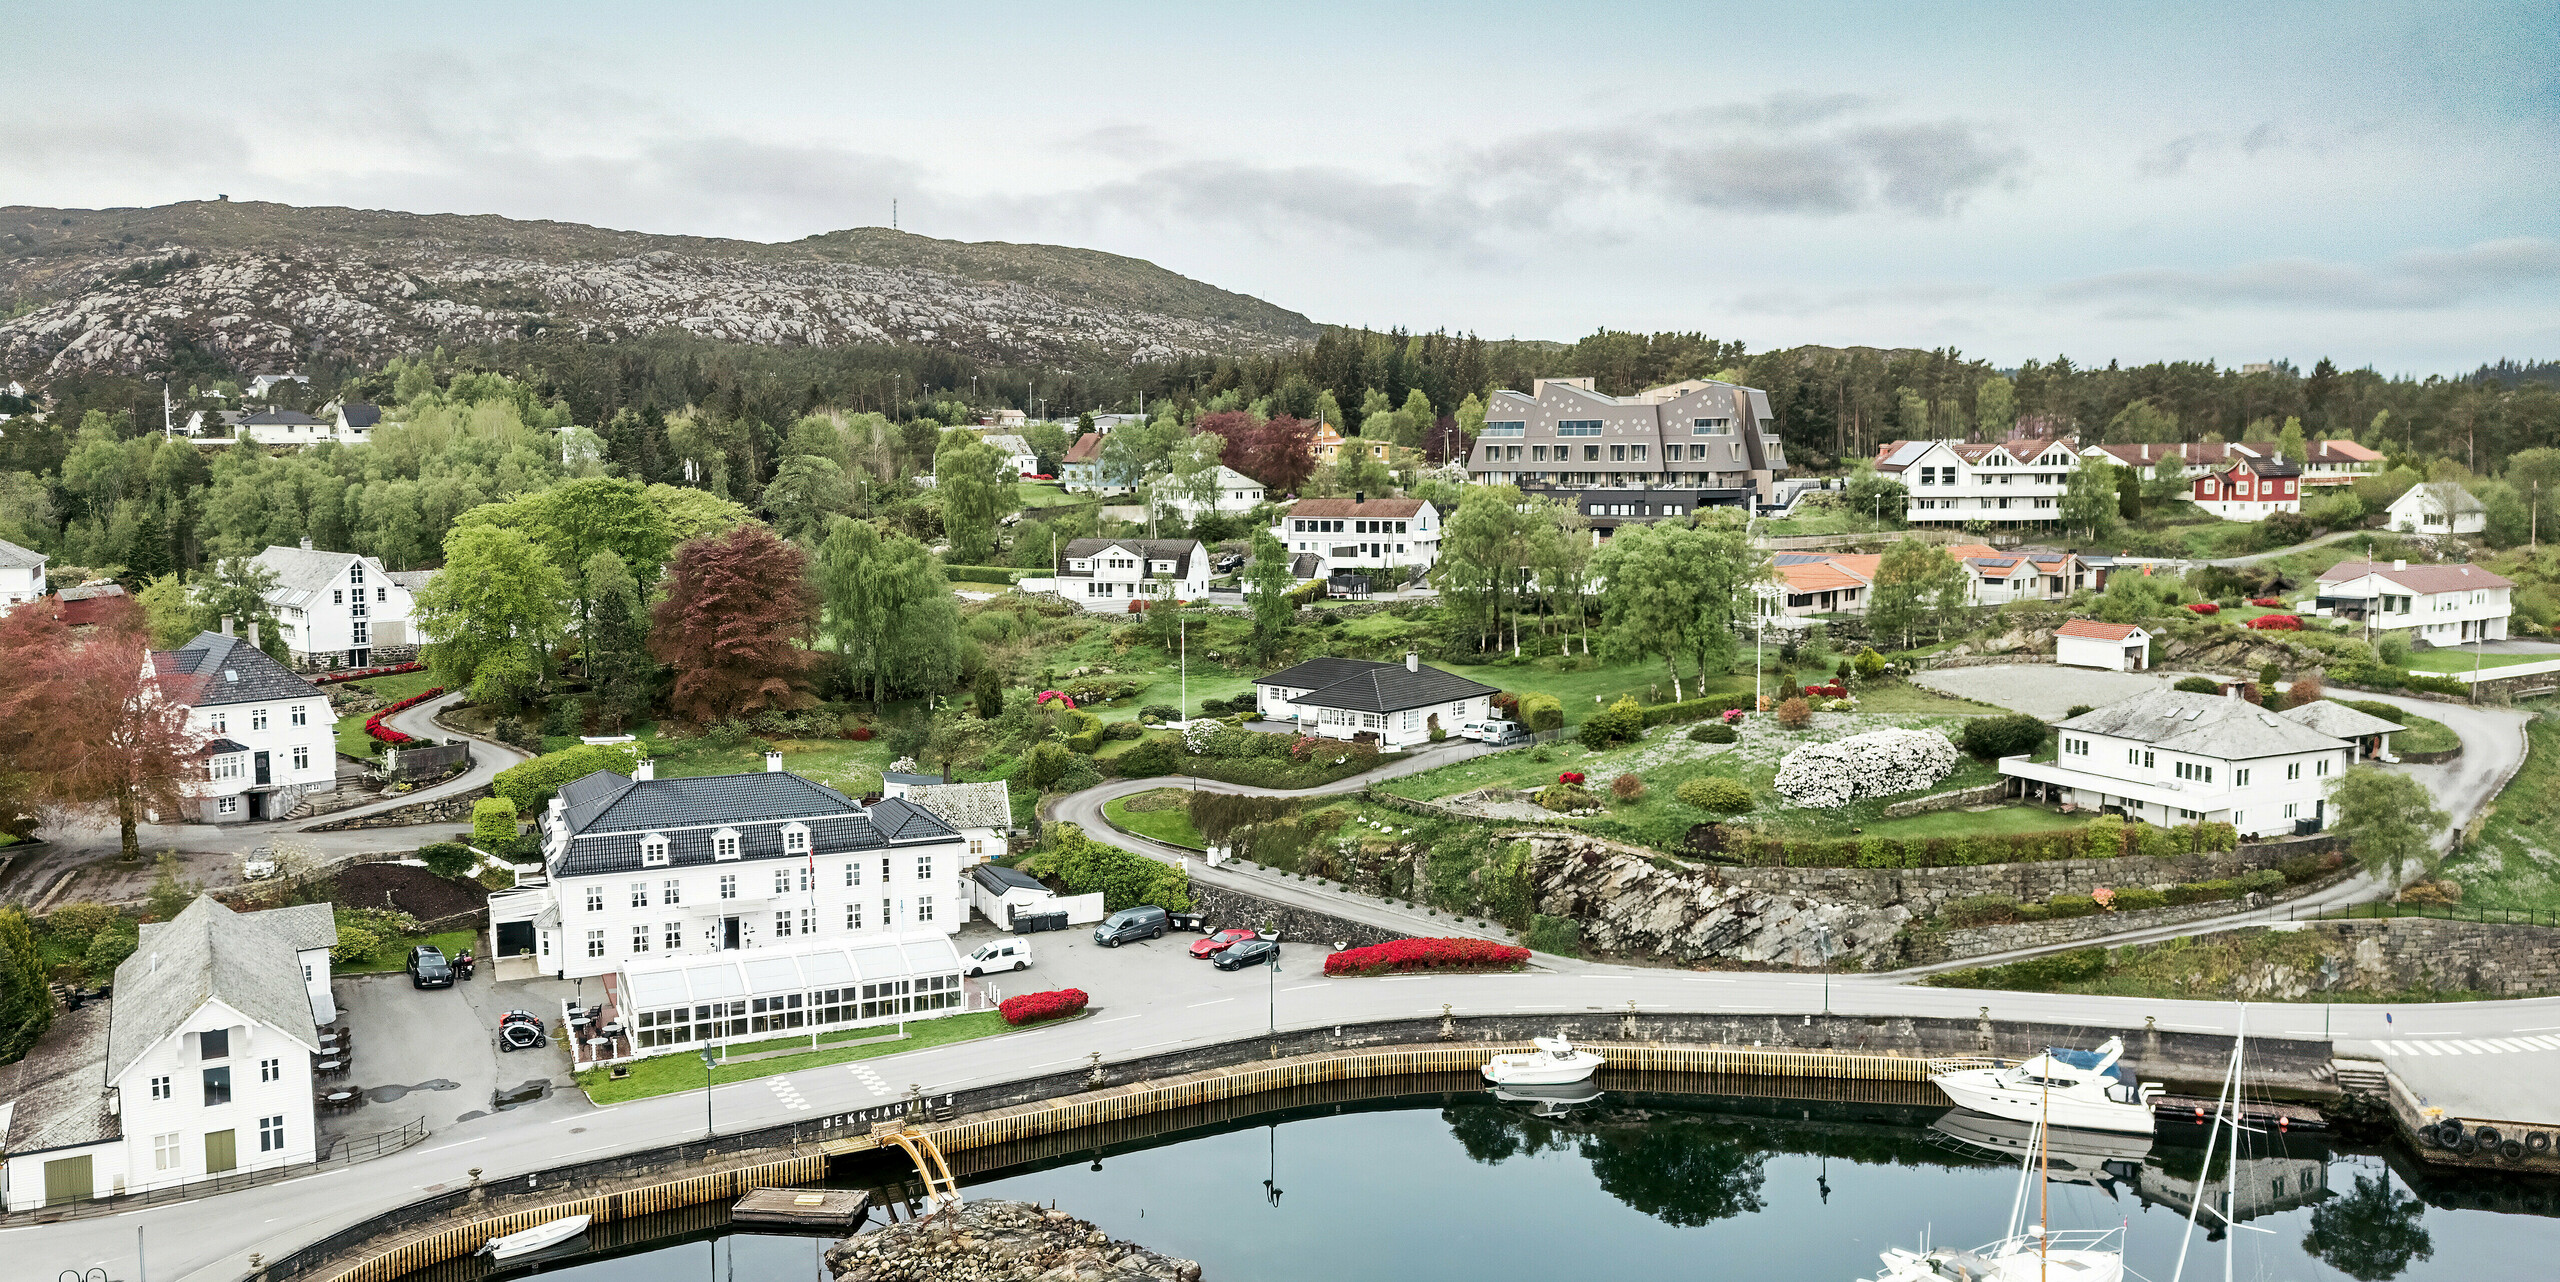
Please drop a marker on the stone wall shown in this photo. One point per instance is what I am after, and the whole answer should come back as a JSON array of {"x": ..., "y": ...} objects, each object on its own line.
[
  {"x": 1221, "y": 906},
  {"x": 1929, "y": 948},
  {"x": 1925, "y": 890},
  {"x": 2501, "y": 959},
  {"x": 442, "y": 810},
  {"x": 1937, "y": 801}
]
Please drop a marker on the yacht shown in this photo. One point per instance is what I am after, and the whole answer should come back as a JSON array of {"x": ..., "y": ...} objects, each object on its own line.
[
  {"x": 2082, "y": 1090},
  {"x": 2029, "y": 1252},
  {"x": 1554, "y": 1063}
]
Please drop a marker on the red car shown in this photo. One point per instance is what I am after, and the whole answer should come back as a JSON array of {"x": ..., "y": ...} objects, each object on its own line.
[{"x": 1211, "y": 945}]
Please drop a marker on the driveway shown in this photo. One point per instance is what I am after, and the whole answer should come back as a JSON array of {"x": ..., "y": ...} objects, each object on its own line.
[{"x": 432, "y": 1053}]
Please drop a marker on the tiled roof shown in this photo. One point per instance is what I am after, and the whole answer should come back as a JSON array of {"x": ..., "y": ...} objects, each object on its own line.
[
  {"x": 56, "y": 1096},
  {"x": 214, "y": 670},
  {"x": 2205, "y": 725},
  {"x": 2096, "y": 631},
  {"x": 206, "y": 953},
  {"x": 1373, "y": 509},
  {"x": 606, "y": 802},
  {"x": 13, "y": 556},
  {"x": 2342, "y": 452},
  {"x": 1087, "y": 448},
  {"x": 1818, "y": 576},
  {"x": 1385, "y": 687},
  {"x": 2421, "y": 579},
  {"x": 968, "y": 805}
]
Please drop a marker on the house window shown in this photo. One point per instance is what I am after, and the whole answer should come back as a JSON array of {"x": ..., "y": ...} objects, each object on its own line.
[
  {"x": 164, "y": 1152},
  {"x": 271, "y": 1133},
  {"x": 884, "y": 870},
  {"x": 227, "y": 766},
  {"x": 639, "y": 894},
  {"x": 724, "y": 844},
  {"x": 808, "y": 921},
  {"x": 595, "y": 943},
  {"x": 729, "y": 886},
  {"x": 270, "y": 1070},
  {"x": 2293, "y": 770},
  {"x": 301, "y": 715},
  {"x": 595, "y": 899},
  {"x": 924, "y": 908},
  {"x": 782, "y": 924},
  {"x": 227, "y": 806},
  {"x": 640, "y": 939},
  {"x": 337, "y": 596},
  {"x": 853, "y": 872},
  {"x": 1579, "y": 427},
  {"x": 924, "y": 868},
  {"x": 671, "y": 891},
  {"x": 2291, "y": 809},
  {"x": 782, "y": 881},
  {"x": 217, "y": 1086},
  {"x": 653, "y": 852},
  {"x": 355, "y": 574},
  {"x": 2193, "y": 770},
  {"x": 221, "y": 723},
  {"x": 159, "y": 1088},
  {"x": 2240, "y": 778},
  {"x": 2321, "y": 767},
  {"x": 795, "y": 839},
  {"x": 215, "y": 1043},
  {"x": 382, "y": 594},
  {"x": 674, "y": 937},
  {"x": 853, "y": 915},
  {"x": 302, "y": 757}
]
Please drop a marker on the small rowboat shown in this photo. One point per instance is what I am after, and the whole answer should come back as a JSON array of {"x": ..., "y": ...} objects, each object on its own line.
[{"x": 528, "y": 1241}]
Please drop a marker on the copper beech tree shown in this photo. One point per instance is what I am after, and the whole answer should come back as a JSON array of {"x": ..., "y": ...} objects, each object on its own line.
[
  {"x": 736, "y": 624},
  {"x": 87, "y": 727}
]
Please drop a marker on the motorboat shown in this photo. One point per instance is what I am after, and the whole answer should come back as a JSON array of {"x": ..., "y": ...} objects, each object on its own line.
[
  {"x": 540, "y": 1237},
  {"x": 1554, "y": 1100},
  {"x": 1554, "y": 1063},
  {"x": 2094, "y": 1255},
  {"x": 2079, "y": 1090},
  {"x": 2101, "y": 1159}
]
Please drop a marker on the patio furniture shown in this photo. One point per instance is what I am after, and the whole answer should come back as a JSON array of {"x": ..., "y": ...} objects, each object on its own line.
[
  {"x": 329, "y": 1067},
  {"x": 342, "y": 1097}
]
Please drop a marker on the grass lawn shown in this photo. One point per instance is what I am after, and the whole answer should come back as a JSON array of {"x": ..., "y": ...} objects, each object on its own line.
[
  {"x": 1168, "y": 688},
  {"x": 352, "y": 740},
  {"x": 1967, "y": 823},
  {"x": 2450, "y": 661},
  {"x": 2515, "y": 861},
  {"x": 2423, "y": 735},
  {"x": 395, "y": 954},
  {"x": 1162, "y": 813},
  {"x": 663, "y": 1074},
  {"x": 1036, "y": 495},
  {"x": 1826, "y": 521}
]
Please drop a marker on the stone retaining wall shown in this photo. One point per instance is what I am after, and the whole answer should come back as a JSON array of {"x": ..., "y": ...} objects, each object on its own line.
[
  {"x": 1929, "y": 948},
  {"x": 442, "y": 810},
  {"x": 1937, "y": 801},
  {"x": 1925, "y": 890},
  {"x": 1221, "y": 906}
]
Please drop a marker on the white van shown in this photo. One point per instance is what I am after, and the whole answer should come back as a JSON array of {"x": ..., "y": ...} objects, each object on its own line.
[{"x": 1004, "y": 954}]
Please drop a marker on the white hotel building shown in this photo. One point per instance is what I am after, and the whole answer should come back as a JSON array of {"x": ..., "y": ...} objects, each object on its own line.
[{"x": 2008, "y": 485}]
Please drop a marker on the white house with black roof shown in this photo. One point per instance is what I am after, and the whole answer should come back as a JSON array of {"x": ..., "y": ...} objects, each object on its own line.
[
  {"x": 643, "y": 869},
  {"x": 270, "y": 737},
  {"x": 1395, "y": 705},
  {"x": 1104, "y": 575},
  {"x": 21, "y": 575}
]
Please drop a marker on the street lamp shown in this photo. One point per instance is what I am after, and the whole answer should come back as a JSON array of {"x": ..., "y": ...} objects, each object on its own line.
[
  {"x": 1271, "y": 994},
  {"x": 1822, "y": 940},
  {"x": 708, "y": 1059}
]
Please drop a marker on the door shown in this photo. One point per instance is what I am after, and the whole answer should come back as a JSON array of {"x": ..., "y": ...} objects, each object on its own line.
[
  {"x": 728, "y": 932},
  {"x": 221, "y": 1152},
  {"x": 260, "y": 763},
  {"x": 257, "y": 805},
  {"x": 69, "y": 1180}
]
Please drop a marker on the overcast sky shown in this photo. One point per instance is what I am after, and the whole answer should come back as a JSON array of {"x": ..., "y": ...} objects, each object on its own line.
[{"x": 2375, "y": 183}]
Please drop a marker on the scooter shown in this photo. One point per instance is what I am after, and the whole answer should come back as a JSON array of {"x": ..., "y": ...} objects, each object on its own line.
[{"x": 462, "y": 963}]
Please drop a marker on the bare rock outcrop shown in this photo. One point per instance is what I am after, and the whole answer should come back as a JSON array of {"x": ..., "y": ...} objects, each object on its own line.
[
  {"x": 1634, "y": 903},
  {"x": 1000, "y": 1242}
]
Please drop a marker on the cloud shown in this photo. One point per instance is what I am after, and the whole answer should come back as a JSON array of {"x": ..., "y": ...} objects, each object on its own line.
[
  {"x": 116, "y": 140},
  {"x": 2172, "y": 157},
  {"x": 2419, "y": 279}
]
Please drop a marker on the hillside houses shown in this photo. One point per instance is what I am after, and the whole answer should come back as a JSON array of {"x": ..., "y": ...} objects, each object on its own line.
[
  {"x": 338, "y": 607},
  {"x": 1564, "y": 435},
  {"x": 269, "y": 731},
  {"x": 2008, "y": 486},
  {"x": 2437, "y": 507},
  {"x": 2433, "y": 604},
  {"x": 1819, "y": 583}
]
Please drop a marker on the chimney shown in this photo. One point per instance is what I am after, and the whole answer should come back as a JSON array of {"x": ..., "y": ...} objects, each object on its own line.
[
  {"x": 773, "y": 763},
  {"x": 306, "y": 543},
  {"x": 1359, "y": 496},
  {"x": 559, "y": 807},
  {"x": 645, "y": 771},
  {"x": 2231, "y": 692},
  {"x": 2400, "y": 565},
  {"x": 253, "y": 635},
  {"x": 1412, "y": 661},
  {"x": 226, "y": 625}
]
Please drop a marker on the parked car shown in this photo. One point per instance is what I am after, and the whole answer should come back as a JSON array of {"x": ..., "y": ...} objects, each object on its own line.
[
  {"x": 428, "y": 968},
  {"x": 1004, "y": 954},
  {"x": 1250, "y": 952},
  {"x": 1143, "y": 922},
  {"x": 1228, "y": 564},
  {"x": 1208, "y": 945},
  {"x": 1501, "y": 734}
]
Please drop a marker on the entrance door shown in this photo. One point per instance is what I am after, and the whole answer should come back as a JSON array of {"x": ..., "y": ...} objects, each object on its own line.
[
  {"x": 221, "y": 1152},
  {"x": 728, "y": 932},
  {"x": 69, "y": 1180},
  {"x": 257, "y": 805},
  {"x": 260, "y": 764}
]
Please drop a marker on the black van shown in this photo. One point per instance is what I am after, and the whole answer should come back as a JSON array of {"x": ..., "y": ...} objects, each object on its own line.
[{"x": 1143, "y": 922}]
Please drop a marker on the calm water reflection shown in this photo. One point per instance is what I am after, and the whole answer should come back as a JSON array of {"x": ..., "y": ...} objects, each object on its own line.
[{"x": 1461, "y": 1186}]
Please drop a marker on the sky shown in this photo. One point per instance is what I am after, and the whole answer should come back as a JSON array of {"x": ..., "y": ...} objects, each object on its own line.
[{"x": 2374, "y": 183}]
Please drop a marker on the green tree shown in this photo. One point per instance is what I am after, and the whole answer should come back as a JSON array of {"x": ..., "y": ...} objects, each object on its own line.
[
  {"x": 2290, "y": 443},
  {"x": 1874, "y": 496},
  {"x": 1678, "y": 592},
  {"x": 2089, "y": 500},
  {"x": 887, "y": 611},
  {"x": 1916, "y": 583},
  {"x": 1270, "y": 583},
  {"x": 2167, "y": 481},
  {"x": 615, "y": 645},
  {"x": 146, "y": 546},
  {"x": 2142, "y": 423},
  {"x": 805, "y": 491},
  {"x": 2128, "y": 493},
  {"x": 170, "y": 891},
  {"x": 1484, "y": 545},
  {"x": 976, "y": 489},
  {"x": 2387, "y": 820},
  {"x": 574, "y": 520},
  {"x": 238, "y": 587},
  {"x": 1414, "y": 418},
  {"x": 26, "y": 993},
  {"x": 168, "y": 611},
  {"x": 2371, "y": 1234},
  {"x": 489, "y": 619},
  {"x": 1995, "y": 405},
  {"x": 989, "y": 694}
]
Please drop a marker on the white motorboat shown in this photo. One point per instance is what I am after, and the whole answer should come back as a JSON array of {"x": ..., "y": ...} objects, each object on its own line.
[
  {"x": 2095, "y": 1255},
  {"x": 1550, "y": 1101},
  {"x": 539, "y": 1237},
  {"x": 2097, "y": 1158},
  {"x": 1554, "y": 1063},
  {"x": 2081, "y": 1090}
]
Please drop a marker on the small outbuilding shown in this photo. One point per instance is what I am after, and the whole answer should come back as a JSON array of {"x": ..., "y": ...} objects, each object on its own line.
[{"x": 2116, "y": 647}]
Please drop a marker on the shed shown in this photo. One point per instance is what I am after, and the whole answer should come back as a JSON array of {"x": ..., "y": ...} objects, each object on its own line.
[{"x": 2088, "y": 643}]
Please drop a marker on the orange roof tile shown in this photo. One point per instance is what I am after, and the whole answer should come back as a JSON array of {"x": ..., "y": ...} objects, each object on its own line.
[{"x": 2096, "y": 631}]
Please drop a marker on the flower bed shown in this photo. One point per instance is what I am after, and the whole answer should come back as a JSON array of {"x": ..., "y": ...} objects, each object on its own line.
[
  {"x": 1879, "y": 763},
  {"x": 1400, "y": 955},
  {"x": 374, "y": 726},
  {"x": 359, "y": 674},
  {"x": 2277, "y": 623},
  {"x": 1833, "y": 690},
  {"x": 1046, "y": 695},
  {"x": 1571, "y": 777},
  {"x": 2266, "y": 602},
  {"x": 2204, "y": 607},
  {"x": 1031, "y": 1008}
]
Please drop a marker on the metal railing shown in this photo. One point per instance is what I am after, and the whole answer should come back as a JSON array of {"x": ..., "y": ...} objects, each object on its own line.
[
  {"x": 2386, "y": 911},
  {"x": 344, "y": 1152}
]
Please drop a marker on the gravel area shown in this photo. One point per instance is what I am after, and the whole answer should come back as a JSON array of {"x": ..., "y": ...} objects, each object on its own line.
[
  {"x": 415, "y": 891},
  {"x": 2046, "y": 690}
]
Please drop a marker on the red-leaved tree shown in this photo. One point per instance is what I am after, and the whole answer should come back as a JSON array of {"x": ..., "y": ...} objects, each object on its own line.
[
  {"x": 1274, "y": 451},
  {"x": 736, "y": 625},
  {"x": 86, "y": 728}
]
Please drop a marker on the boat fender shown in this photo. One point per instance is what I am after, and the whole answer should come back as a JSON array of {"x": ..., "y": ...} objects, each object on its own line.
[
  {"x": 2538, "y": 1142},
  {"x": 2283, "y": 1124},
  {"x": 2488, "y": 1136},
  {"x": 2452, "y": 1129},
  {"x": 2467, "y": 1147},
  {"x": 2512, "y": 1150}
]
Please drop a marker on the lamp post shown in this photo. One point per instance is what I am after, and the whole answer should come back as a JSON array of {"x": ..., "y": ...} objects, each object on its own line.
[
  {"x": 708, "y": 1059},
  {"x": 1822, "y": 940},
  {"x": 1271, "y": 995}
]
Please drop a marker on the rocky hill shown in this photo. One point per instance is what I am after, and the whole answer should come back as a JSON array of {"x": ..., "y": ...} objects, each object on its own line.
[{"x": 265, "y": 286}]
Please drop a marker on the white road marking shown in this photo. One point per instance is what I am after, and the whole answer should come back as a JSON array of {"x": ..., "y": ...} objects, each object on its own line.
[
  {"x": 2547, "y": 1028},
  {"x": 2428, "y": 1047},
  {"x": 1301, "y": 988},
  {"x": 2475, "y": 1048},
  {"x": 1117, "y": 1018},
  {"x": 456, "y": 1144},
  {"x": 1198, "y": 1005}
]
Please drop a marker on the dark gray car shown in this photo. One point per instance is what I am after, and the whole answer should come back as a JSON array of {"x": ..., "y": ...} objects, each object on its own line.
[
  {"x": 1143, "y": 922},
  {"x": 1251, "y": 952}
]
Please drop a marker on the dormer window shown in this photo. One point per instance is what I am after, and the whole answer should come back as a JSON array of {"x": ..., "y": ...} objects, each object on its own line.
[
  {"x": 795, "y": 839},
  {"x": 653, "y": 851},
  {"x": 724, "y": 844}
]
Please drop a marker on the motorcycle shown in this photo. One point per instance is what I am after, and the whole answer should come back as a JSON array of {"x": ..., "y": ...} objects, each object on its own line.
[{"x": 462, "y": 964}]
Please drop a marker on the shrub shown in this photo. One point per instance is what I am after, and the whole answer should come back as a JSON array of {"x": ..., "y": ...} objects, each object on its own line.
[
  {"x": 2134, "y": 899},
  {"x": 80, "y": 922},
  {"x": 1398, "y": 956},
  {"x": 1154, "y": 755},
  {"x": 2071, "y": 906},
  {"x": 1562, "y": 797},
  {"x": 1574, "y": 777},
  {"x": 1879, "y": 763},
  {"x": 1869, "y": 662},
  {"x": 2430, "y": 683},
  {"x": 448, "y": 859},
  {"x": 1559, "y": 936},
  {"x": 1031, "y": 1008},
  {"x": 108, "y": 949},
  {"x": 493, "y": 819},
  {"x": 1991, "y": 738},
  {"x": 2262, "y": 881},
  {"x": 2077, "y": 709},
  {"x": 861, "y": 734},
  {"x": 1123, "y": 879},
  {"x": 2204, "y": 892},
  {"x": 1506, "y": 703},
  {"x": 373, "y": 725},
  {"x": 2033, "y": 974},
  {"x": 1714, "y": 793},
  {"x": 1087, "y": 736},
  {"x": 1541, "y": 711},
  {"x": 2266, "y": 602},
  {"x": 1620, "y": 722},
  {"x": 355, "y": 944},
  {"x": 1795, "y": 714},
  {"x": 1627, "y": 788},
  {"x": 1159, "y": 712},
  {"x": 1124, "y": 730},
  {"x": 2276, "y": 623},
  {"x": 1835, "y": 690},
  {"x": 1713, "y": 732},
  {"x": 2198, "y": 685},
  {"x": 2306, "y": 688},
  {"x": 531, "y": 784},
  {"x": 1696, "y": 710},
  {"x": 1048, "y": 764},
  {"x": 1981, "y": 910}
]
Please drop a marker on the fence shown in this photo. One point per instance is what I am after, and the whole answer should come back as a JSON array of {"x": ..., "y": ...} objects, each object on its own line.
[
  {"x": 339, "y": 1153},
  {"x": 2386, "y": 911}
]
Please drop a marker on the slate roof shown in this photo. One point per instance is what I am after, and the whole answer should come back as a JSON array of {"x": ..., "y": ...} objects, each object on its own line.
[
  {"x": 280, "y": 418},
  {"x": 204, "y": 954},
  {"x": 214, "y": 670},
  {"x": 998, "y": 878},
  {"x": 1178, "y": 551},
  {"x": 2204, "y": 725},
  {"x": 2446, "y": 497},
  {"x": 414, "y": 580},
  {"x": 1367, "y": 686},
  {"x": 302, "y": 574},
  {"x": 361, "y": 413},
  {"x": 1316, "y": 674},
  {"x": 222, "y": 748},
  {"x": 2420, "y": 579},
  {"x": 1371, "y": 510},
  {"x": 2339, "y": 721},
  {"x": 56, "y": 1096},
  {"x": 967, "y": 805},
  {"x": 609, "y": 815},
  {"x": 302, "y": 926},
  {"x": 14, "y": 556},
  {"x": 2096, "y": 631}
]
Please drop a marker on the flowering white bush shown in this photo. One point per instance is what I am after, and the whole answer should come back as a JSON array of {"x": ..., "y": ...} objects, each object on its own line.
[
  {"x": 903, "y": 766},
  {"x": 1197, "y": 736},
  {"x": 1879, "y": 763}
]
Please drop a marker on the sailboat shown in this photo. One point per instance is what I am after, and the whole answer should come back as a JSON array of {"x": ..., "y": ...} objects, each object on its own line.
[
  {"x": 2029, "y": 1252},
  {"x": 2227, "y": 1114}
]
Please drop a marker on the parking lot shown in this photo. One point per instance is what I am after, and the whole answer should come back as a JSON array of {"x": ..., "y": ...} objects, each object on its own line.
[
  {"x": 1153, "y": 976},
  {"x": 433, "y": 1052}
]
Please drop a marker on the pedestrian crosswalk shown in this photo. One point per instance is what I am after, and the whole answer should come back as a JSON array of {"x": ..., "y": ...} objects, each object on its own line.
[
  {"x": 790, "y": 1096},
  {"x": 870, "y": 1081},
  {"x": 2415, "y": 1047}
]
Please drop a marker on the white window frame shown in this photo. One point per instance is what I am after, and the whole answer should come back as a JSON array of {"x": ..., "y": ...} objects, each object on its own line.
[
  {"x": 653, "y": 851},
  {"x": 724, "y": 845}
]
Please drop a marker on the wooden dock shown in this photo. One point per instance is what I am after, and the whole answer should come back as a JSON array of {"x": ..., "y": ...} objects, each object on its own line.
[{"x": 803, "y": 1207}]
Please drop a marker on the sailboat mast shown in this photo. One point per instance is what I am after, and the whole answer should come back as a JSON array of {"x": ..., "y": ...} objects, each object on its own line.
[
  {"x": 2044, "y": 1186},
  {"x": 2231, "y": 1166},
  {"x": 2204, "y": 1172}
]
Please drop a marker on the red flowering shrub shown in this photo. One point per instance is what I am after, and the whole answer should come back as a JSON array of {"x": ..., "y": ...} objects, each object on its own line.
[
  {"x": 1508, "y": 704},
  {"x": 2205, "y": 607},
  {"x": 1570, "y": 776},
  {"x": 373, "y": 725},
  {"x": 1046, "y": 695},
  {"x": 862, "y": 734},
  {"x": 1031, "y": 1008},
  {"x": 1732, "y": 716},
  {"x": 1398, "y": 955},
  {"x": 2277, "y": 623},
  {"x": 1832, "y": 690},
  {"x": 1137, "y": 606},
  {"x": 2266, "y": 601},
  {"x": 359, "y": 674}
]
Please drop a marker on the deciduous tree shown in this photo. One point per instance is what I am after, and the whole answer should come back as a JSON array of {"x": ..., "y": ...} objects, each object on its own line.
[
  {"x": 87, "y": 724},
  {"x": 2387, "y": 820},
  {"x": 738, "y": 614},
  {"x": 1916, "y": 583},
  {"x": 490, "y": 617},
  {"x": 976, "y": 489},
  {"x": 615, "y": 645},
  {"x": 1271, "y": 584}
]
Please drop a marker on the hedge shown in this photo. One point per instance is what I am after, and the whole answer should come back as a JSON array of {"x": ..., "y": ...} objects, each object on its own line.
[
  {"x": 1742, "y": 845},
  {"x": 2033, "y": 974},
  {"x": 1401, "y": 955},
  {"x": 1696, "y": 710},
  {"x": 493, "y": 819},
  {"x": 531, "y": 784},
  {"x": 985, "y": 574},
  {"x": 2002, "y": 910},
  {"x": 361, "y": 674},
  {"x": 1541, "y": 711},
  {"x": 1124, "y": 879},
  {"x": 1031, "y": 1008}
]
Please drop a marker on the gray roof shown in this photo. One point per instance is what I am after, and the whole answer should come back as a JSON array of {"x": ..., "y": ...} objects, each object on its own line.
[
  {"x": 13, "y": 555},
  {"x": 279, "y": 418},
  {"x": 1363, "y": 685},
  {"x": 2339, "y": 721},
  {"x": 301, "y": 573},
  {"x": 967, "y": 805},
  {"x": 361, "y": 413},
  {"x": 911, "y": 781},
  {"x": 57, "y": 1094},
  {"x": 610, "y": 815},
  {"x": 303, "y": 926},
  {"x": 2205, "y": 725},
  {"x": 1178, "y": 551},
  {"x": 207, "y": 953},
  {"x": 2445, "y": 496},
  {"x": 414, "y": 580},
  {"x": 214, "y": 670},
  {"x": 1000, "y": 879}
]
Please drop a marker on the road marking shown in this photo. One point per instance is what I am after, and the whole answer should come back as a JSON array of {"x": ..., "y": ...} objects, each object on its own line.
[
  {"x": 1302, "y": 988},
  {"x": 1198, "y": 1005},
  {"x": 2547, "y": 1028},
  {"x": 1116, "y": 1019},
  {"x": 2542, "y": 1043},
  {"x": 456, "y": 1144},
  {"x": 2428, "y": 1047},
  {"x": 1730, "y": 1006},
  {"x": 2475, "y": 1048},
  {"x": 581, "y": 1117}
]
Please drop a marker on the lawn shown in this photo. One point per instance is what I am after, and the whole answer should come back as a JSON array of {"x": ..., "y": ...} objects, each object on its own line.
[
  {"x": 395, "y": 953},
  {"x": 663, "y": 1074},
  {"x": 1161, "y": 813},
  {"x": 1968, "y": 823},
  {"x": 1033, "y": 494},
  {"x": 352, "y": 740},
  {"x": 2451, "y": 661},
  {"x": 2424, "y": 734},
  {"x": 2513, "y": 862}
]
